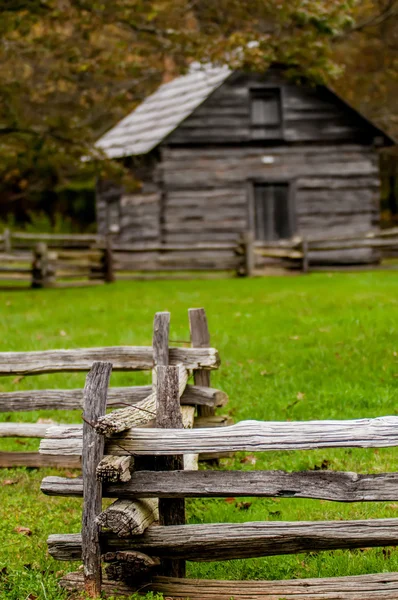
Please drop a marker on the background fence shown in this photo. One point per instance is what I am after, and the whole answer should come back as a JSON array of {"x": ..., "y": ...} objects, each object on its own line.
[
  {"x": 200, "y": 359},
  {"x": 58, "y": 260},
  {"x": 141, "y": 556}
]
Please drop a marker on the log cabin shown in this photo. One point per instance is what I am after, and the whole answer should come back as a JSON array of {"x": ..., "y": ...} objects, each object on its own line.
[{"x": 220, "y": 153}]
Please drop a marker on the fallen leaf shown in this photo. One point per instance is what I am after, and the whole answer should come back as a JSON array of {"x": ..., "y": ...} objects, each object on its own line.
[
  {"x": 62, "y": 333},
  {"x": 45, "y": 421},
  {"x": 9, "y": 482},
  {"x": 395, "y": 353},
  {"x": 8, "y": 303},
  {"x": 21, "y": 442},
  {"x": 31, "y": 597},
  {"x": 229, "y": 500},
  {"x": 324, "y": 329},
  {"x": 249, "y": 459},
  {"x": 393, "y": 506},
  {"x": 275, "y": 513},
  {"x": 23, "y": 530},
  {"x": 39, "y": 336},
  {"x": 300, "y": 396},
  {"x": 294, "y": 337},
  {"x": 18, "y": 379},
  {"x": 266, "y": 373}
]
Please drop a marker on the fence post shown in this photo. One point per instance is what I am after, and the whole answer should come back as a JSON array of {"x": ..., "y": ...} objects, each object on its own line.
[
  {"x": 248, "y": 244},
  {"x": 200, "y": 338},
  {"x": 168, "y": 415},
  {"x": 305, "y": 261},
  {"x": 7, "y": 241},
  {"x": 94, "y": 406},
  {"x": 109, "y": 272},
  {"x": 42, "y": 270}
]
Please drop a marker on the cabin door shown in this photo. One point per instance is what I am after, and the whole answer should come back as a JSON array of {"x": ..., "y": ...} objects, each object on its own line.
[{"x": 273, "y": 211}]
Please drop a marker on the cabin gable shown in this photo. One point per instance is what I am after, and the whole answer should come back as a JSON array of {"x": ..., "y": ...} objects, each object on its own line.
[{"x": 269, "y": 108}]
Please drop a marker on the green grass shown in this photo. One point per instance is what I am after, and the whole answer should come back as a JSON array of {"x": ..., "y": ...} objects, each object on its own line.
[{"x": 316, "y": 347}]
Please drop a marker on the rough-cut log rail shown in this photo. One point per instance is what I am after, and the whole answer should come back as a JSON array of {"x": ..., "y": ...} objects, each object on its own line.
[
  {"x": 138, "y": 414},
  {"x": 323, "y": 485},
  {"x": 226, "y": 541},
  {"x": 117, "y": 397},
  {"x": 30, "y": 430},
  {"x": 123, "y": 358},
  {"x": 383, "y": 586},
  {"x": 37, "y": 460},
  {"x": 249, "y": 436},
  {"x": 129, "y": 517},
  {"x": 130, "y": 566},
  {"x": 114, "y": 469}
]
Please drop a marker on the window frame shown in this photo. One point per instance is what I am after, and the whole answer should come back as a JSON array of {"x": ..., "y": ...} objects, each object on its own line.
[
  {"x": 263, "y": 132},
  {"x": 113, "y": 204},
  {"x": 292, "y": 208}
]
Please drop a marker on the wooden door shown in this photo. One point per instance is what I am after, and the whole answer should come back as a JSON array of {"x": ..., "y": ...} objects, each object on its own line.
[{"x": 273, "y": 211}]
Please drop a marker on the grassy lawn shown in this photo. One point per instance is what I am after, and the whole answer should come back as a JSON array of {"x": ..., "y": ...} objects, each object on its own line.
[{"x": 316, "y": 347}]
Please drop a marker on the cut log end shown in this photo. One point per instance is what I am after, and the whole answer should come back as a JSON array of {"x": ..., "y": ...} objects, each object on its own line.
[
  {"x": 129, "y": 517},
  {"x": 115, "y": 469}
]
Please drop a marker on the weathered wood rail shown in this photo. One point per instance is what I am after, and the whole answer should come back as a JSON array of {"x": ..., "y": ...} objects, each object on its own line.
[
  {"x": 137, "y": 402},
  {"x": 144, "y": 555},
  {"x": 53, "y": 260}
]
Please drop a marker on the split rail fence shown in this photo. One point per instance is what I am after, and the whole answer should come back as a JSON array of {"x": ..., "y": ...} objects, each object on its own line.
[
  {"x": 143, "y": 538},
  {"x": 59, "y": 260},
  {"x": 198, "y": 400}
]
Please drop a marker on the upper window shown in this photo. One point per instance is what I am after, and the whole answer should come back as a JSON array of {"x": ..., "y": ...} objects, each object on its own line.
[{"x": 266, "y": 113}]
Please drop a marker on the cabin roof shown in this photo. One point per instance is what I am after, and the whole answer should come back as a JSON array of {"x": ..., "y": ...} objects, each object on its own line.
[
  {"x": 163, "y": 111},
  {"x": 155, "y": 118}
]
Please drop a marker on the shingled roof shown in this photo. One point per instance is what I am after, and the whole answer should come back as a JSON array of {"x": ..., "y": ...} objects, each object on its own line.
[{"x": 146, "y": 126}]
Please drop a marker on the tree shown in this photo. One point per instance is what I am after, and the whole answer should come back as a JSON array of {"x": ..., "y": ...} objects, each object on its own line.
[{"x": 69, "y": 69}]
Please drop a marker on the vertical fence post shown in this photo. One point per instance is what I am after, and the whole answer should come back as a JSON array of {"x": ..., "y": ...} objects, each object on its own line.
[
  {"x": 305, "y": 260},
  {"x": 7, "y": 241},
  {"x": 168, "y": 415},
  {"x": 109, "y": 272},
  {"x": 248, "y": 244},
  {"x": 94, "y": 398},
  {"x": 200, "y": 338},
  {"x": 42, "y": 270}
]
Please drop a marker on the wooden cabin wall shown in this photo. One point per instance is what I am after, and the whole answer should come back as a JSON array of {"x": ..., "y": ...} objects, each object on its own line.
[{"x": 137, "y": 213}]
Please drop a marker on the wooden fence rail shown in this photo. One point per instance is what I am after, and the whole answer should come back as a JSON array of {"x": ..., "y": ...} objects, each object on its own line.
[
  {"x": 143, "y": 555},
  {"x": 140, "y": 401},
  {"x": 59, "y": 260}
]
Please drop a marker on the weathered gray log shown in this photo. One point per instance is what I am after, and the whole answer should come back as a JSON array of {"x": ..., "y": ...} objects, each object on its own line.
[
  {"x": 95, "y": 392},
  {"x": 129, "y": 566},
  {"x": 123, "y": 358},
  {"x": 30, "y": 430},
  {"x": 160, "y": 342},
  {"x": 129, "y": 517},
  {"x": 227, "y": 541},
  {"x": 73, "y": 399},
  {"x": 324, "y": 485},
  {"x": 246, "y": 436},
  {"x": 168, "y": 415},
  {"x": 36, "y": 460},
  {"x": 115, "y": 469},
  {"x": 383, "y": 586},
  {"x": 248, "y": 244},
  {"x": 42, "y": 269},
  {"x": 137, "y": 415},
  {"x": 200, "y": 338}
]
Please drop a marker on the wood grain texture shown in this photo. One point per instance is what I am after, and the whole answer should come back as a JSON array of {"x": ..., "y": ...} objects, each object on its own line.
[
  {"x": 95, "y": 393},
  {"x": 36, "y": 460},
  {"x": 246, "y": 436},
  {"x": 30, "y": 430},
  {"x": 129, "y": 517},
  {"x": 324, "y": 485},
  {"x": 160, "y": 343},
  {"x": 117, "y": 397},
  {"x": 227, "y": 541},
  {"x": 130, "y": 567},
  {"x": 200, "y": 338},
  {"x": 168, "y": 415},
  {"x": 123, "y": 358},
  {"x": 382, "y": 586},
  {"x": 115, "y": 469}
]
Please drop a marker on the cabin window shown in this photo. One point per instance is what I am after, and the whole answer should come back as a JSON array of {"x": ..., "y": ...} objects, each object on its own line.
[
  {"x": 273, "y": 211},
  {"x": 113, "y": 216},
  {"x": 266, "y": 113}
]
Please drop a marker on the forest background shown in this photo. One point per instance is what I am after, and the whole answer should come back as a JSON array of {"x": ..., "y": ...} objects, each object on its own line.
[{"x": 70, "y": 69}]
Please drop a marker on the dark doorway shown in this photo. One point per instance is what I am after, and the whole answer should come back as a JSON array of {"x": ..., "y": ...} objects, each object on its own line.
[{"x": 273, "y": 212}]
